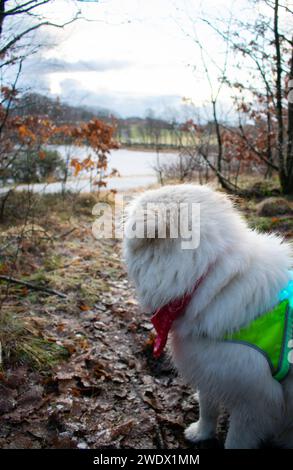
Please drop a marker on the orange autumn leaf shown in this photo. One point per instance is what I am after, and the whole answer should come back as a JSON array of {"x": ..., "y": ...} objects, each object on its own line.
[
  {"x": 22, "y": 131},
  {"x": 88, "y": 163},
  {"x": 77, "y": 166},
  {"x": 83, "y": 343},
  {"x": 26, "y": 134},
  {"x": 150, "y": 341},
  {"x": 84, "y": 307},
  {"x": 61, "y": 327},
  {"x": 24, "y": 291}
]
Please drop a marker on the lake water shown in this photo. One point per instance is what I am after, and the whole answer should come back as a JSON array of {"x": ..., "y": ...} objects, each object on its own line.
[{"x": 135, "y": 167}]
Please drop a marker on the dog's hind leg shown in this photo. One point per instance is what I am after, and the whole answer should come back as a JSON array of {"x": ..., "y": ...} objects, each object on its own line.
[
  {"x": 252, "y": 426},
  {"x": 285, "y": 438},
  {"x": 205, "y": 427}
]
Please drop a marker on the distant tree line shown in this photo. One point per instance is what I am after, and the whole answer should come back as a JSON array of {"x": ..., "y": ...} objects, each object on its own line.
[{"x": 36, "y": 104}]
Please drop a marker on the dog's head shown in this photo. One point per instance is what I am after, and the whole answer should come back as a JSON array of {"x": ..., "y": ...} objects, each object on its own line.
[{"x": 172, "y": 236}]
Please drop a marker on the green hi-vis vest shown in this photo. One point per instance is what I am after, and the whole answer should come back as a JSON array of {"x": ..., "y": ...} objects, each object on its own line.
[{"x": 272, "y": 334}]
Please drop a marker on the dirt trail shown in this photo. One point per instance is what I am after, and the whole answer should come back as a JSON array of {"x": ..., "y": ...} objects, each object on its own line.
[{"x": 110, "y": 392}]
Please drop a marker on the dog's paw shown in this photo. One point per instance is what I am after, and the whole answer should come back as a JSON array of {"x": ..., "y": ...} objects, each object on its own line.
[{"x": 199, "y": 431}]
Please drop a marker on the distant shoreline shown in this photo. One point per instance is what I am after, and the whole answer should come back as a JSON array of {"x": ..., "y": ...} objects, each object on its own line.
[{"x": 149, "y": 148}]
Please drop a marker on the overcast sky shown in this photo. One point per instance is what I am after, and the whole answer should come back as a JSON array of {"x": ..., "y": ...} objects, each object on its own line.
[{"x": 132, "y": 55}]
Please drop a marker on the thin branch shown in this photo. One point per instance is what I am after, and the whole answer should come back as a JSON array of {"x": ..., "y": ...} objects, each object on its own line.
[
  {"x": 272, "y": 5},
  {"x": 12, "y": 280},
  {"x": 250, "y": 146},
  {"x": 25, "y": 7},
  {"x": 240, "y": 48},
  {"x": 7, "y": 109},
  {"x": 34, "y": 28}
]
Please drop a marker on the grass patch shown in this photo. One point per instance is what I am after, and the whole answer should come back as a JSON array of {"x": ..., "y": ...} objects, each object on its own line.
[
  {"x": 22, "y": 344},
  {"x": 282, "y": 225},
  {"x": 260, "y": 188},
  {"x": 263, "y": 224},
  {"x": 24, "y": 206}
]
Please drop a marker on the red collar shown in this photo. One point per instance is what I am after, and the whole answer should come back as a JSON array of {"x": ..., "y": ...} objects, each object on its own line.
[{"x": 164, "y": 317}]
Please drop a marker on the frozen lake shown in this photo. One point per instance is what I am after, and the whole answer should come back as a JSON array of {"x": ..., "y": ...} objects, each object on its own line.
[{"x": 135, "y": 167}]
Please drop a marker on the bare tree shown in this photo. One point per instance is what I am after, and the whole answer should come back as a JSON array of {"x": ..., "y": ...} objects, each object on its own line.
[
  {"x": 33, "y": 19},
  {"x": 285, "y": 159},
  {"x": 267, "y": 49},
  {"x": 19, "y": 20}
]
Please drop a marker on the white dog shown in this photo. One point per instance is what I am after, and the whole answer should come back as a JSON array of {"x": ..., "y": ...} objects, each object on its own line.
[{"x": 233, "y": 276}]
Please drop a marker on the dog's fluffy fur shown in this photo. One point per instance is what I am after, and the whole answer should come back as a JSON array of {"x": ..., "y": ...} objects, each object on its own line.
[{"x": 246, "y": 271}]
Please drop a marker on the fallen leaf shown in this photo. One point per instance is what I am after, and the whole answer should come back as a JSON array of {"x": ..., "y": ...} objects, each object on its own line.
[
  {"x": 84, "y": 307},
  {"x": 122, "y": 429}
]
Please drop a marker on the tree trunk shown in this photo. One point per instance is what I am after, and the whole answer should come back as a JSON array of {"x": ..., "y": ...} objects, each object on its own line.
[
  {"x": 2, "y": 14},
  {"x": 279, "y": 104},
  {"x": 219, "y": 138},
  {"x": 288, "y": 187},
  {"x": 269, "y": 170}
]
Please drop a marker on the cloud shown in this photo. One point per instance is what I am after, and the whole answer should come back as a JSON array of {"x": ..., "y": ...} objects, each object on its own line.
[
  {"x": 38, "y": 70},
  {"x": 53, "y": 65},
  {"x": 123, "y": 104}
]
